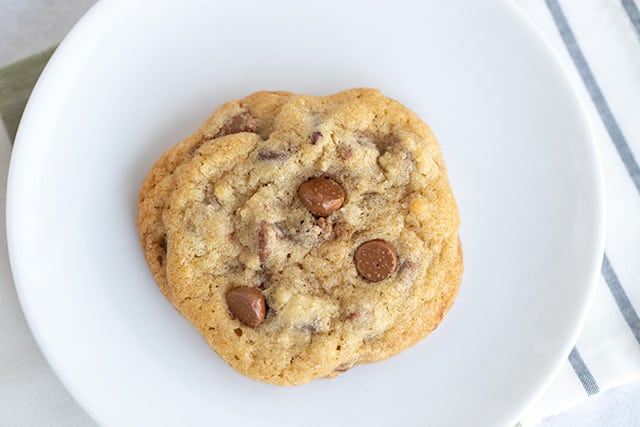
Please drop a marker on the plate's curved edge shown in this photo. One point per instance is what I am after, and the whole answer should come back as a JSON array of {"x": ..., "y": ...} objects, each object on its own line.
[
  {"x": 87, "y": 31},
  {"x": 81, "y": 39},
  {"x": 599, "y": 193}
]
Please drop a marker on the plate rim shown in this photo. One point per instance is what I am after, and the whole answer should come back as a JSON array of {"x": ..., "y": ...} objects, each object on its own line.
[{"x": 598, "y": 191}]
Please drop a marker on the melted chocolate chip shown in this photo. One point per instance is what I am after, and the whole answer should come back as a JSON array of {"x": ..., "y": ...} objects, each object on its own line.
[
  {"x": 243, "y": 122},
  {"x": 263, "y": 241},
  {"x": 315, "y": 137},
  {"x": 408, "y": 268},
  {"x": 192, "y": 150},
  {"x": 267, "y": 155}
]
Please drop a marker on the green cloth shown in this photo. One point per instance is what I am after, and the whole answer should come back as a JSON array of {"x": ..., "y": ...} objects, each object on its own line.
[{"x": 16, "y": 83}]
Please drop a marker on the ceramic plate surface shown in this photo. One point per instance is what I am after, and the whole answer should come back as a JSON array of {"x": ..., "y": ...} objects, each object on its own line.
[{"x": 133, "y": 78}]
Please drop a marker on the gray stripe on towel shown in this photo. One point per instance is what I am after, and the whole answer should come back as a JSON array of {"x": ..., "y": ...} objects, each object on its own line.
[
  {"x": 633, "y": 13},
  {"x": 600, "y": 102},
  {"x": 584, "y": 375},
  {"x": 622, "y": 300}
]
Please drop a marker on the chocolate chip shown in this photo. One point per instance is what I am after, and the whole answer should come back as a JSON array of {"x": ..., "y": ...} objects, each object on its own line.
[
  {"x": 272, "y": 155},
  {"x": 376, "y": 260},
  {"x": 360, "y": 315},
  {"x": 247, "y": 305},
  {"x": 315, "y": 137},
  {"x": 322, "y": 196},
  {"x": 263, "y": 241},
  {"x": 243, "y": 122}
]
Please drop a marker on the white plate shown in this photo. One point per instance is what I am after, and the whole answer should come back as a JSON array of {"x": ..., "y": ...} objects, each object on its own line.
[{"x": 133, "y": 78}]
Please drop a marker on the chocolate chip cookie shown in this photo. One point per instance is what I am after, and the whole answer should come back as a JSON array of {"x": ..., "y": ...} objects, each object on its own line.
[{"x": 303, "y": 235}]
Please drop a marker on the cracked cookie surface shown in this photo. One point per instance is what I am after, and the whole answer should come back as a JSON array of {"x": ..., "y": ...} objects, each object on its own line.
[{"x": 222, "y": 211}]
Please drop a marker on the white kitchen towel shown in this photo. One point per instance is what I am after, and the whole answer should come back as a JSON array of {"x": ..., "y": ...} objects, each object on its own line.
[{"x": 598, "y": 41}]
